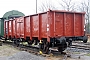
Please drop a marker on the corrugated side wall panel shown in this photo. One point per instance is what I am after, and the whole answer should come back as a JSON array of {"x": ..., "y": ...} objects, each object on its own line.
[
  {"x": 27, "y": 26},
  {"x": 43, "y": 18},
  {"x": 78, "y": 25},
  {"x": 7, "y": 27},
  {"x": 69, "y": 26},
  {"x": 22, "y": 27},
  {"x": 17, "y": 28},
  {"x": 51, "y": 18},
  {"x": 10, "y": 28},
  {"x": 35, "y": 26},
  {"x": 83, "y": 24},
  {"x": 14, "y": 32},
  {"x": 59, "y": 24}
]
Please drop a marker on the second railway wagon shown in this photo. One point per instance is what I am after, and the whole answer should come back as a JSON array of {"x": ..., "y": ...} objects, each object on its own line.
[{"x": 49, "y": 29}]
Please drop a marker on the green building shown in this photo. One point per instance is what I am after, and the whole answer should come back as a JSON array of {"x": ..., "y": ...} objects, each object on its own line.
[{"x": 8, "y": 15}]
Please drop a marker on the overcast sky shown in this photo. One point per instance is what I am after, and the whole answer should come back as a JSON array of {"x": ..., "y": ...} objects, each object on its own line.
[{"x": 25, "y": 6}]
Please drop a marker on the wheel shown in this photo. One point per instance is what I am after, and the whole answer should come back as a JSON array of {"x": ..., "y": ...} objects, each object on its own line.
[
  {"x": 35, "y": 42},
  {"x": 69, "y": 43},
  {"x": 5, "y": 40},
  {"x": 46, "y": 48},
  {"x": 85, "y": 38},
  {"x": 11, "y": 39},
  {"x": 40, "y": 48},
  {"x": 16, "y": 42},
  {"x": 30, "y": 42},
  {"x": 62, "y": 47}
]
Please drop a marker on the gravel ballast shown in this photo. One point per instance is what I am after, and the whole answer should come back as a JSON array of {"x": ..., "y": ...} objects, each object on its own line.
[
  {"x": 8, "y": 52},
  {"x": 25, "y": 56}
]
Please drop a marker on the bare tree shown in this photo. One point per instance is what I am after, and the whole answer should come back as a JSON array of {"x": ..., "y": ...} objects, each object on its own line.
[
  {"x": 85, "y": 6},
  {"x": 67, "y": 5},
  {"x": 46, "y": 5}
]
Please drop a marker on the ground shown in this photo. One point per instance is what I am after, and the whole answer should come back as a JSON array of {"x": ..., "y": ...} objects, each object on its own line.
[{"x": 8, "y": 51}]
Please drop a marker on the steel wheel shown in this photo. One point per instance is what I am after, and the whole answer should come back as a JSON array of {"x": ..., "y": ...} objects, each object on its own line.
[
  {"x": 62, "y": 48},
  {"x": 46, "y": 47},
  {"x": 85, "y": 38}
]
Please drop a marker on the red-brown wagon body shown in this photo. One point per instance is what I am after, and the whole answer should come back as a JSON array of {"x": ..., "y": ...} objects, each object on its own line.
[
  {"x": 54, "y": 24},
  {"x": 19, "y": 27},
  {"x": 8, "y": 29},
  {"x": 13, "y": 28}
]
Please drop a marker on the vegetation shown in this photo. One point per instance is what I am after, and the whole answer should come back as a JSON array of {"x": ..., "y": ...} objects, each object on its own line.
[{"x": 88, "y": 54}]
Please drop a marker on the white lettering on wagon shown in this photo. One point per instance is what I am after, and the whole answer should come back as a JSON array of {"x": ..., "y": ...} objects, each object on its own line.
[{"x": 47, "y": 27}]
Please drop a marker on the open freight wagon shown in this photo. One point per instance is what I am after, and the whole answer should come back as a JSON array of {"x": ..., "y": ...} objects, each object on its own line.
[{"x": 49, "y": 29}]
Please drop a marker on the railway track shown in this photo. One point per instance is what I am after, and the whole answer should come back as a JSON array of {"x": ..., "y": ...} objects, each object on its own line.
[
  {"x": 81, "y": 45},
  {"x": 53, "y": 52},
  {"x": 31, "y": 49},
  {"x": 35, "y": 50}
]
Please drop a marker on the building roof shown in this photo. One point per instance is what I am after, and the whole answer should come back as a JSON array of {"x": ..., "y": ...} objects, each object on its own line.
[{"x": 13, "y": 13}]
